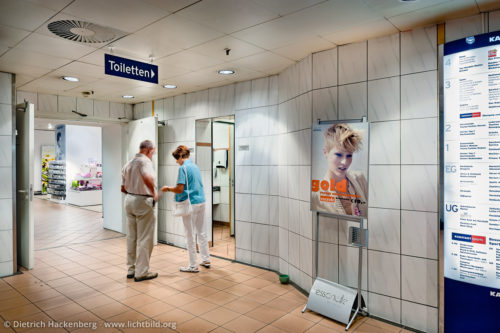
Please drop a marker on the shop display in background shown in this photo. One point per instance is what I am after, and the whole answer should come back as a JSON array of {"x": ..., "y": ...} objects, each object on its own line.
[
  {"x": 48, "y": 155},
  {"x": 89, "y": 178},
  {"x": 57, "y": 179}
]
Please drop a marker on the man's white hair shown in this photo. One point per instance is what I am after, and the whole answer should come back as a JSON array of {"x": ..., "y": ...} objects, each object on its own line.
[{"x": 146, "y": 144}]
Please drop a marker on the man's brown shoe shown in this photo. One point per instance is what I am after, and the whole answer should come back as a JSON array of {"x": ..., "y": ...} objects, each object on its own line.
[{"x": 148, "y": 276}]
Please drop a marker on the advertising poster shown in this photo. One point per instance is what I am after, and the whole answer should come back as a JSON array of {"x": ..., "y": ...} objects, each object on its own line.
[
  {"x": 339, "y": 171},
  {"x": 60, "y": 133},
  {"x": 48, "y": 154},
  {"x": 471, "y": 84}
]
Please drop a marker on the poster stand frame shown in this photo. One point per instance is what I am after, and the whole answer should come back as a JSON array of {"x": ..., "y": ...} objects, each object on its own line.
[{"x": 359, "y": 299}]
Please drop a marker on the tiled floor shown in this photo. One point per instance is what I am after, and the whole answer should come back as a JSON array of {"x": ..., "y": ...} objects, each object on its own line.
[
  {"x": 224, "y": 243},
  {"x": 86, "y": 284}
]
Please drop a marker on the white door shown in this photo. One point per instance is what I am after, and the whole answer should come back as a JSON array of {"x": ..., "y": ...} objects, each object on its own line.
[
  {"x": 25, "y": 143},
  {"x": 136, "y": 132}
]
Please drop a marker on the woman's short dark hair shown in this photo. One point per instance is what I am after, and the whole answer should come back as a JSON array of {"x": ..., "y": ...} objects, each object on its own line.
[{"x": 181, "y": 152}]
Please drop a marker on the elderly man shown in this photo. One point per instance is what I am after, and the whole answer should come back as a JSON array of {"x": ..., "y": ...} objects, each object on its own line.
[{"x": 139, "y": 185}]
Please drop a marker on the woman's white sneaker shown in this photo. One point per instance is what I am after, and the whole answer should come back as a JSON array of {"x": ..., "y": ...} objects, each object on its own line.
[{"x": 189, "y": 269}]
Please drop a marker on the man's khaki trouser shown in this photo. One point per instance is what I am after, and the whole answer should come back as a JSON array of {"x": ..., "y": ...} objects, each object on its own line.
[{"x": 140, "y": 233}]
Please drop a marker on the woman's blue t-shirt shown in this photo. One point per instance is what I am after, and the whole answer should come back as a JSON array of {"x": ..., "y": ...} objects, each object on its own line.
[{"x": 196, "y": 194}]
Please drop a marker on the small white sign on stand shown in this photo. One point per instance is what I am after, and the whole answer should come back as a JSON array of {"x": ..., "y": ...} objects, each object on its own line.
[{"x": 331, "y": 300}]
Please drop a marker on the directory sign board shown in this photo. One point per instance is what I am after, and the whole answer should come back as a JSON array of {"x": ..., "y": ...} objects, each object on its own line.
[
  {"x": 339, "y": 170},
  {"x": 130, "y": 69},
  {"x": 471, "y": 82}
]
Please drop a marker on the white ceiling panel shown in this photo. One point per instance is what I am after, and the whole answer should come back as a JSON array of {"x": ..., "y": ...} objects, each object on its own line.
[
  {"x": 394, "y": 8},
  {"x": 11, "y": 36},
  {"x": 56, "y": 5},
  {"x": 55, "y": 46},
  {"x": 299, "y": 50},
  {"x": 166, "y": 72},
  {"x": 171, "y": 5},
  {"x": 125, "y": 15},
  {"x": 362, "y": 32},
  {"x": 284, "y": 7},
  {"x": 51, "y": 82},
  {"x": 204, "y": 76},
  {"x": 488, "y": 5},
  {"x": 22, "y": 79},
  {"x": 216, "y": 49},
  {"x": 189, "y": 60},
  {"x": 18, "y": 68},
  {"x": 24, "y": 15},
  {"x": 82, "y": 71},
  {"x": 27, "y": 57},
  {"x": 94, "y": 58},
  {"x": 165, "y": 37},
  {"x": 265, "y": 62},
  {"x": 228, "y": 15},
  {"x": 434, "y": 14},
  {"x": 3, "y": 48}
]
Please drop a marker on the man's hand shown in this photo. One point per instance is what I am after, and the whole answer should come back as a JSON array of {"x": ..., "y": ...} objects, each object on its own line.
[{"x": 124, "y": 190}]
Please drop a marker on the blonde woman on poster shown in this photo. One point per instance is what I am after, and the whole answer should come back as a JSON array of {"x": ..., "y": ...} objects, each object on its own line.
[{"x": 341, "y": 191}]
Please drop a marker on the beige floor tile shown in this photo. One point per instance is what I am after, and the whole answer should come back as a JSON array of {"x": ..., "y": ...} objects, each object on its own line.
[
  {"x": 284, "y": 304},
  {"x": 265, "y": 314},
  {"x": 174, "y": 316},
  {"x": 242, "y": 305},
  {"x": 221, "y": 284},
  {"x": 199, "y": 307},
  {"x": 270, "y": 329},
  {"x": 180, "y": 299},
  {"x": 196, "y": 325},
  {"x": 292, "y": 324},
  {"x": 257, "y": 283},
  {"x": 138, "y": 300},
  {"x": 184, "y": 285},
  {"x": 63, "y": 312},
  {"x": 220, "y": 330},
  {"x": 261, "y": 296},
  {"x": 239, "y": 290},
  {"x": 122, "y": 293},
  {"x": 323, "y": 329},
  {"x": 365, "y": 328},
  {"x": 380, "y": 324},
  {"x": 309, "y": 315},
  {"x": 130, "y": 315},
  {"x": 54, "y": 302},
  {"x": 20, "y": 312},
  {"x": 93, "y": 302},
  {"x": 110, "y": 310},
  {"x": 220, "y": 316},
  {"x": 202, "y": 291},
  {"x": 154, "y": 309},
  {"x": 244, "y": 324},
  {"x": 13, "y": 303}
]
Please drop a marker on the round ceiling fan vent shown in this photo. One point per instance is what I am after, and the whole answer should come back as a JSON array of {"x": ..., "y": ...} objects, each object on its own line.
[{"x": 82, "y": 32}]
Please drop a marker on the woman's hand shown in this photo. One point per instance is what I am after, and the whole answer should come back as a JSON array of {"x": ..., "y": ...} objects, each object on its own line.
[{"x": 164, "y": 188}]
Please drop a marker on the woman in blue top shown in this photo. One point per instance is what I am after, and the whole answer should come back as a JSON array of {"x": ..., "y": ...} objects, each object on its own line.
[{"x": 196, "y": 221}]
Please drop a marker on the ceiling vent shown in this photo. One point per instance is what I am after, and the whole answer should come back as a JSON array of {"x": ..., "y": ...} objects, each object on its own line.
[{"x": 83, "y": 32}]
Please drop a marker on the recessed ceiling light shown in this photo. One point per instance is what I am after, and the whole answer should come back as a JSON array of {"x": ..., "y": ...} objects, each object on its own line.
[
  {"x": 49, "y": 126},
  {"x": 128, "y": 96},
  {"x": 70, "y": 78},
  {"x": 170, "y": 86},
  {"x": 226, "y": 71}
]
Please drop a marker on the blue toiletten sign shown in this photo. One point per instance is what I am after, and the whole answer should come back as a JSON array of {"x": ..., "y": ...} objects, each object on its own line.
[{"x": 130, "y": 69}]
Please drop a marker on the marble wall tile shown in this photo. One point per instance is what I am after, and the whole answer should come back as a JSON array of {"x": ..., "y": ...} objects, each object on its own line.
[
  {"x": 494, "y": 20},
  {"x": 419, "y": 187},
  {"x": 260, "y": 238},
  {"x": 274, "y": 241},
  {"x": 273, "y": 120},
  {"x": 260, "y": 121},
  {"x": 5, "y": 119},
  {"x": 306, "y": 281},
  {"x": 197, "y": 104},
  {"x": 6, "y": 88},
  {"x": 283, "y": 181},
  {"x": 283, "y": 111},
  {"x": 66, "y": 104},
  {"x": 221, "y": 101},
  {"x": 244, "y": 204},
  {"x": 419, "y": 50},
  {"x": 421, "y": 317},
  {"x": 241, "y": 124},
  {"x": 129, "y": 111},
  {"x": 344, "y": 226},
  {"x": 463, "y": 27},
  {"x": 306, "y": 255},
  {"x": 328, "y": 264},
  {"x": 260, "y": 260},
  {"x": 385, "y": 143},
  {"x": 304, "y": 109},
  {"x": 86, "y": 106},
  {"x": 6, "y": 238},
  {"x": 243, "y": 154},
  {"x": 353, "y": 65},
  {"x": 6, "y": 213},
  {"x": 284, "y": 85},
  {"x": 5, "y": 151},
  {"x": 283, "y": 245},
  {"x": 162, "y": 221},
  {"x": 294, "y": 273},
  {"x": 260, "y": 209},
  {"x": 385, "y": 230},
  {"x": 384, "y": 186},
  {"x": 274, "y": 180},
  {"x": 31, "y": 97},
  {"x": 305, "y": 183},
  {"x": 283, "y": 266},
  {"x": 328, "y": 229},
  {"x": 419, "y": 141},
  {"x": 243, "y": 179},
  {"x": 190, "y": 130},
  {"x": 260, "y": 92},
  {"x": 274, "y": 210},
  {"x": 138, "y": 111},
  {"x": 244, "y": 256},
  {"x": 243, "y": 95},
  {"x": 168, "y": 107},
  {"x": 293, "y": 154},
  {"x": 383, "y": 57},
  {"x": 283, "y": 213},
  {"x": 273, "y": 90},
  {"x": 419, "y": 95},
  {"x": 260, "y": 179},
  {"x": 116, "y": 110},
  {"x": 293, "y": 182},
  {"x": 6, "y": 268},
  {"x": 348, "y": 267},
  {"x": 384, "y": 99},
  {"x": 353, "y": 99},
  {"x": 325, "y": 68},
  {"x": 243, "y": 235},
  {"x": 305, "y": 216},
  {"x": 292, "y": 115},
  {"x": 294, "y": 216},
  {"x": 419, "y": 280},
  {"x": 385, "y": 307},
  {"x": 305, "y": 74},
  {"x": 159, "y": 108},
  {"x": 419, "y": 234},
  {"x": 384, "y": 272},
  {"x": 274, "y": 263},
  {"x": 47, "y": 103},
  {"x": 325, "y": 103},
  {"x": 101, "y": 110},
  {"x": 293, "y": 249},
  {"x": 180, "y": 106},
  {"x": 261, "y": 150},
  {"x": 6, "y": 176}
]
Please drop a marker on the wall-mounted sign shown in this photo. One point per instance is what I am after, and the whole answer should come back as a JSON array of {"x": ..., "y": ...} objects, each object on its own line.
[
  {"x": 471, "y": 82},
  {"x": 130, "y": 69},
  {"x": 339, "y": 171}
]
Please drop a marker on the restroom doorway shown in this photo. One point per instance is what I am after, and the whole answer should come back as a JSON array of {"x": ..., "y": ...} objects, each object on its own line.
[{"x": 215, "y": 158}]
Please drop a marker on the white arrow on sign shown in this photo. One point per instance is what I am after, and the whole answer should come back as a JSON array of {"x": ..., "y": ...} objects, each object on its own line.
[{"x": 152, "y": 74}]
